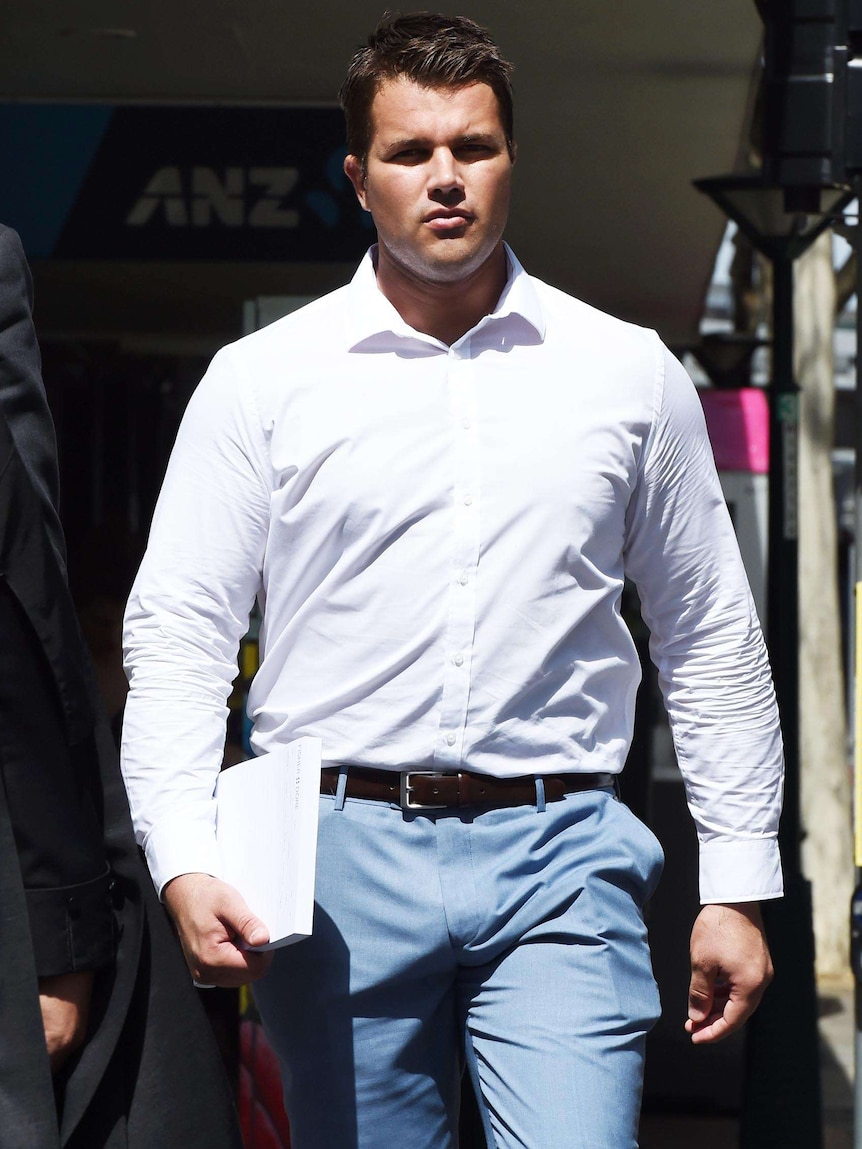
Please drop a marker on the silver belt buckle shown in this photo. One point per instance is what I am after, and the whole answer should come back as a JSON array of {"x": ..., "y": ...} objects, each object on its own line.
[{"x": 407, "y": 802}]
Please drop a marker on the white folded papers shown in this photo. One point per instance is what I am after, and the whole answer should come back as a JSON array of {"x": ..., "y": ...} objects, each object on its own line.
[{"x": 266, "y": 830}]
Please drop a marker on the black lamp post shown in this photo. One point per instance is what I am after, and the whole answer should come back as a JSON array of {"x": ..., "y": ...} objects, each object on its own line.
[{"x": 782, "y": 1102}]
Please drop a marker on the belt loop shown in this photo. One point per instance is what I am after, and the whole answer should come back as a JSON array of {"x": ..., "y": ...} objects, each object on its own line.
[
  {"x": 341, "y": 787},
  {"x": 540, "y": 795}
]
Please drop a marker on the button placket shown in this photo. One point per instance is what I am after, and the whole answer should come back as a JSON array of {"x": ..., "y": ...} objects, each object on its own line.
[{"x": 461, "y": 622}]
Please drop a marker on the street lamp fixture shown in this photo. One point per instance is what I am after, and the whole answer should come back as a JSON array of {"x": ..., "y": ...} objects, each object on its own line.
[
  {"x": 726, "y": 356},
  {"x": 778, "y": 226}
]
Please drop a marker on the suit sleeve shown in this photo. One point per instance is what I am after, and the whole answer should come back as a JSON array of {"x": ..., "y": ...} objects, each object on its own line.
[
  {"x": 23, "y": 402},
  {"x": 57, "y": 834},
  {"x": 49, "y": 780}
]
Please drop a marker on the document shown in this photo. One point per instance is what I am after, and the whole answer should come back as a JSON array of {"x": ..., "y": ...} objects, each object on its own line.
[{"x": 266, "y": 830}]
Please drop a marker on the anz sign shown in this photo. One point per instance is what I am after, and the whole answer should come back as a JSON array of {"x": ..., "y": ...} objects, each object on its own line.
[
  {"x": 203, "y": 197},
  {"x": 180, "y": 183}
]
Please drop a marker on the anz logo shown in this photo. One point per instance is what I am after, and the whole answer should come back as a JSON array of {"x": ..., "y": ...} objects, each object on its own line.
[{"x": 202, "y": 197}]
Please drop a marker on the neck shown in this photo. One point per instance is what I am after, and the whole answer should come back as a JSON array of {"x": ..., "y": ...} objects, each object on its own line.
[{"x": 444, "y": 310}]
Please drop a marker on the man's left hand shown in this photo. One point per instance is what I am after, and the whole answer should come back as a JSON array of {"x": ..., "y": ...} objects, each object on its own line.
[{"x": 730, "y": 970}]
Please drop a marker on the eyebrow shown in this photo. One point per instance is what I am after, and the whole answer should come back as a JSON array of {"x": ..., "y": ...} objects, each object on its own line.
[
  {"x": 423, "y": 141},
  {"x": 409, "y": 142}
]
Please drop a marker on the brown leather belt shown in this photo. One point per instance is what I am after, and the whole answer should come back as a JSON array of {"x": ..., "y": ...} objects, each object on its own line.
[{"x": 438, "y": 790}]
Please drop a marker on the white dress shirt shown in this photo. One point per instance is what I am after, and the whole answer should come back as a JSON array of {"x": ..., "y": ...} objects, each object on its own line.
[{"x": 438, "y": 537}]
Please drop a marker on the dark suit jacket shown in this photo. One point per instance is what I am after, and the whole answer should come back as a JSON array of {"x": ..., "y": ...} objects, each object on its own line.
[{"x": 74, "y": 893}]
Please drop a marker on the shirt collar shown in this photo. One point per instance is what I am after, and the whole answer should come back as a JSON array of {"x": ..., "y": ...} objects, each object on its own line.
[{"x": 371, "y": 319}]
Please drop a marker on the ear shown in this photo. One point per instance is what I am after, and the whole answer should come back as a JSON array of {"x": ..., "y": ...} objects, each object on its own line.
[{"x": 355, "y": 172}]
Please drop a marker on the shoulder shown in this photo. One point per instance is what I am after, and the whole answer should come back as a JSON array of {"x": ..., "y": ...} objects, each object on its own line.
[
  {"x": 9, "y": 238},
  {"x": 13, "y": 262},
  {"x": 566, "y": 314},
  {"x": 308, "y": 331},
  {"x": 607, "y": 350},
  {"x": 256, "y": 375},
  {"x": 10, "y": 242}
]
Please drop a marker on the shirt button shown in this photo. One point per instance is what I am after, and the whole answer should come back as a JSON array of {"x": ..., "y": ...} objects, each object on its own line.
[
  {"x": 451, "y": 739},
  {"x": 468, "y": 500},
  {"x": 463, "y": 578},
  {"x": 466, "y": 424},
  {"x": 458, "y": 659}
]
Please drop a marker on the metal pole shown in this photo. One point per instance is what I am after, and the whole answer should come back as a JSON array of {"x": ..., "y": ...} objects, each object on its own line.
[
  {"x": 782, "y": 1098},
  {"x": 782, "y": 617},
  {"x": 855, "y": 235}
]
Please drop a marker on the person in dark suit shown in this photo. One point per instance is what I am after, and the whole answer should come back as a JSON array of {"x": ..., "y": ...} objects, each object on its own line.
[{"x": 104, "y": 1043}]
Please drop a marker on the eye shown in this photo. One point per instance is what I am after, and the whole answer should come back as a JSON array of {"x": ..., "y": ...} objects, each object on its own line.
[
  {"x": 408, "y": 156},
  {"x": 475, "y": 151}
]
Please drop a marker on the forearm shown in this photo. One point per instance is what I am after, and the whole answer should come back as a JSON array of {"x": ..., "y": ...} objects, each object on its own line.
[
  {"x": 728, "y": 744},
  {"x": 170, "y": 760},
  {"x": 724, "y": 722}
]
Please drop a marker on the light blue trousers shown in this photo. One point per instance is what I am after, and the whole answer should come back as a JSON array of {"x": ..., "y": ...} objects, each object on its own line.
[{"x": 513, "y": 938}]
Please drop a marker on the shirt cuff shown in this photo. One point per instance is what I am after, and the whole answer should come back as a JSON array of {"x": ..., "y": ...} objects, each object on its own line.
[
  {"x": 740, "y": 870},
  {"x": 184, "y": 843},
  {"x": 72, "y": 927}
]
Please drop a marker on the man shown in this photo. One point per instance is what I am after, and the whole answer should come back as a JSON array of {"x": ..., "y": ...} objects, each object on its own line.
[
  {"x": 435, "y": 480},
  {"x": 86, "y": 952}
]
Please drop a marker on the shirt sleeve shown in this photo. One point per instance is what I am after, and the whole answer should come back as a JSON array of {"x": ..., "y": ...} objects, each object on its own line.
[
  {"x": 707, "y": 644},
  {"x": 188, "y": 610}
]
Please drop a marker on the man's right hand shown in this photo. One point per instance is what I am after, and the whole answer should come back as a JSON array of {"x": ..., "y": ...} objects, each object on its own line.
[
  {"x": 64, "y": 1000},
  {"x": 214, "y": 925}
]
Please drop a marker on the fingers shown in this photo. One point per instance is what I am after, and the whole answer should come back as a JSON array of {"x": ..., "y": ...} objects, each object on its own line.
[
  {"x": 700, "y": 993},
  {"x": 731, "y": 1008},
  {"x": 708, "y": 1022},
  {"x": 227, "y": 906},
  {"x": 215, "y": 927},
  {"x": 726, "y": 1016}
]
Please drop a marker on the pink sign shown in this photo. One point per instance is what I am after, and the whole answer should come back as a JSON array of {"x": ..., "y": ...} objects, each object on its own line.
[{"x": 738, "y": 425}]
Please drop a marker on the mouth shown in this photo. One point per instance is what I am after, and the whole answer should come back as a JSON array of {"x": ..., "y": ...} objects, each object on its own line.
[{"x": 445, "y": 220}]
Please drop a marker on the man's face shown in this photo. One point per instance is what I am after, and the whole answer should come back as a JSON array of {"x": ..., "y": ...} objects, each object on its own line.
[{"x": 437, "y": 178}]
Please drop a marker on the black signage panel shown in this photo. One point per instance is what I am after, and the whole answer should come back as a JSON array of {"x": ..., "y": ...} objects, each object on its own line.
[{"x": 193, "y": 183}]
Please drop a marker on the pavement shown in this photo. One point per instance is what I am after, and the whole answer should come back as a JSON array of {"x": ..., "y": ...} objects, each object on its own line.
[{"x": 686, "y": 1131}]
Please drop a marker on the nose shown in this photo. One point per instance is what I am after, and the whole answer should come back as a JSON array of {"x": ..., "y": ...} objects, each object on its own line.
[{"x": 444, "y": 177}]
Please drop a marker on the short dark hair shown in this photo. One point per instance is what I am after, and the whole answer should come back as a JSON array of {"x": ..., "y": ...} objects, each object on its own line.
[{"x": 431, "y": 50}]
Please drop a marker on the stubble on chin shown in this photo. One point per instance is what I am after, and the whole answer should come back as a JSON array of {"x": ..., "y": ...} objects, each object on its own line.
[{"x": 439, "y": 267}]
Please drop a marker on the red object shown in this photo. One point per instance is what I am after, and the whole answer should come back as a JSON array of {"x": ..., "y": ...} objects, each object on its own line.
[
  {"x": 738, "y": 425},
  {"x": 261, "y": 1109}
]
